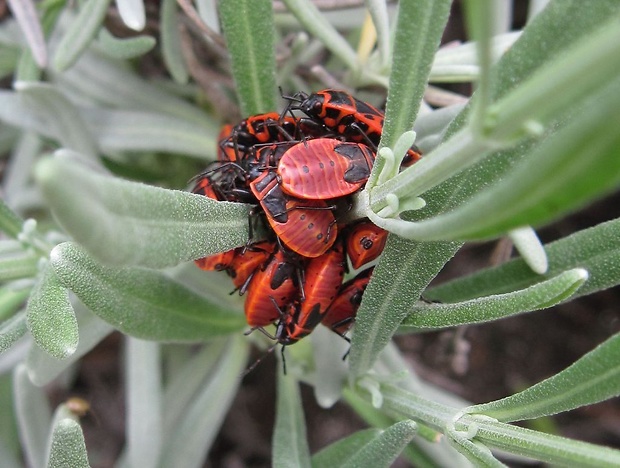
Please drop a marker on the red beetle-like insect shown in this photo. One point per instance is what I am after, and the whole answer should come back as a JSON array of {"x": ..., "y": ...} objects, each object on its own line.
[
  {"x": 265, "y": 157},
  {"x": 341, "y": 313},
  {"x": 307, "y": 227},
  {"x": 340, "y": 112},
  {"x": 247, "y": 261},
  {"x": 325, "y": 168},
  {"x": 259, "y": 129},
  {"x": 272, "y": 288},
  {"x": 226, "y": 153},
  {"x": 322, "y": 281},
  {"x": 365, "y": 242}
]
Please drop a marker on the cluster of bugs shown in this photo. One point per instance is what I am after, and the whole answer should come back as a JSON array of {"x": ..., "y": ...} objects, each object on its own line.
[{"x": 299, "y": 168}]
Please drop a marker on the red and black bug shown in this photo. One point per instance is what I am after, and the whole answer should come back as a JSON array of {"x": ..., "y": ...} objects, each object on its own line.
[
  {"x": 272, "y": 288},
  {"x": 322, "y": 281},
  {"x": 247, "y": 261},
  {"x": 325, "y": 168},
  {"x": 307, "y": 227},
  {"x": 365, "y": 242},
  {"x": 340, "y": 112},
  {"x": 341, "y": 313},
  {"x": 258, "y": 129},
  {"x": 265, "y": 157},
  {"x": 226, "y": 153}
]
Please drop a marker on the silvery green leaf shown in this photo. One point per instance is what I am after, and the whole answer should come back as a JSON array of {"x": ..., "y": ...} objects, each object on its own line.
[
  {"x": 81, "y": 31},
  {"x": 50, "y": 316},
  {"x": 128, "y": 223},
  {"x": 119, "y": 130},
  {"x": 26, "y": 15},
  {"x": 290, "y": 446},
  {"x": 125, "y": 48},
  {"x": 33, "y": 416},
  {"x": 11, "y": 330},
  {"x": 67, "y": 445},
  {"x": 143, "y": 382},
  {"x": 142, "y": 303},
  {"x": 43, "y": 368},
  {"x": 171, "y": 41},
  {"x": 59, "y": 116},
  {"x": 189, "y": 440}
]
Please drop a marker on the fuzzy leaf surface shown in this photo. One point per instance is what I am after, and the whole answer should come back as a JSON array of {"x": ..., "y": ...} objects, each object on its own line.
[
  {"x": 50, "y": 316},
  {"x": 539, "y": 296},
  {"x": 404, "y": 270},
  {"x": 594, "y": 377},
  {"x": 67, "y": 445},
  {"x": 596, "y": 250},
  {"x": 140, "y": 302},
  {"x": 189, "y": 440},
  {"x": 249, "y": 30},
  {"x": 128, "y": 223},
  {"x": 290, "y": 445}
]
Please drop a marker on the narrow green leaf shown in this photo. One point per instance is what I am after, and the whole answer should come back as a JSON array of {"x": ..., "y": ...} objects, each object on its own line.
[
  {"x": 67, "y": 446},
  {"x": 290, "y": 446},
  {"x": 385, "y": 448},
  {"x": 577, "y": 164},
  {"x": 33, "y": 416},
  {"x": 125, "y": 48},
  {"x": 339, "y": 452},
  {"x": 378, "y": 11},
  {"x": 28, "y": 68},
  {"x": 46, "y": 102},
  {"x": 25, "y": 13},
  {"x": 594, "y": 377},
  {"x": 129, "y": 130},
  {"x": 12, "y": 330},
  {"x": 80, "y": 33},
  {"x": 493, "y": 434},
  {"x": 19, "y": 265},
  {"x": 113, "y": 83},
  {"x": 43, "y": 368},
  {"x": 50, "y": 316},
  {"x": 10, "y": 223},
  {"x": 187, "y": 444},
  {"x": 18, "y": 174},
  {"x": 316, "y": 24},
  {"x": 143, "y": 390},
  {"x": 546, "y": 447},
  {"x": 188, "y": 381},
  {"x": 128, "y": 223},
  {"x": 9, "y": 57},
  {"x": 249, "y": 30},
  {"x": 411, "y": 63},
  {"x": 419, "y": 452},
  {"x": 567, "y": 79},
  {"x": 171, "y": 41},
  {"x": 596, "y": 250},
  {"x": 404, "y": 270},
  {"x": 480, "y": 18},
  {"x": 540, "y": 296},
  {"x": 10, "y": 447},
  {"x": 476, "y": 453},
  {"x": 541, "y": 42},
  {"x": 141, "y": 303}
]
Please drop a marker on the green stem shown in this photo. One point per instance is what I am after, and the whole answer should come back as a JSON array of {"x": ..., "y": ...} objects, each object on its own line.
[
  {"x": 456, "y": 154},
  {"x": 494, "y": 434}
]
